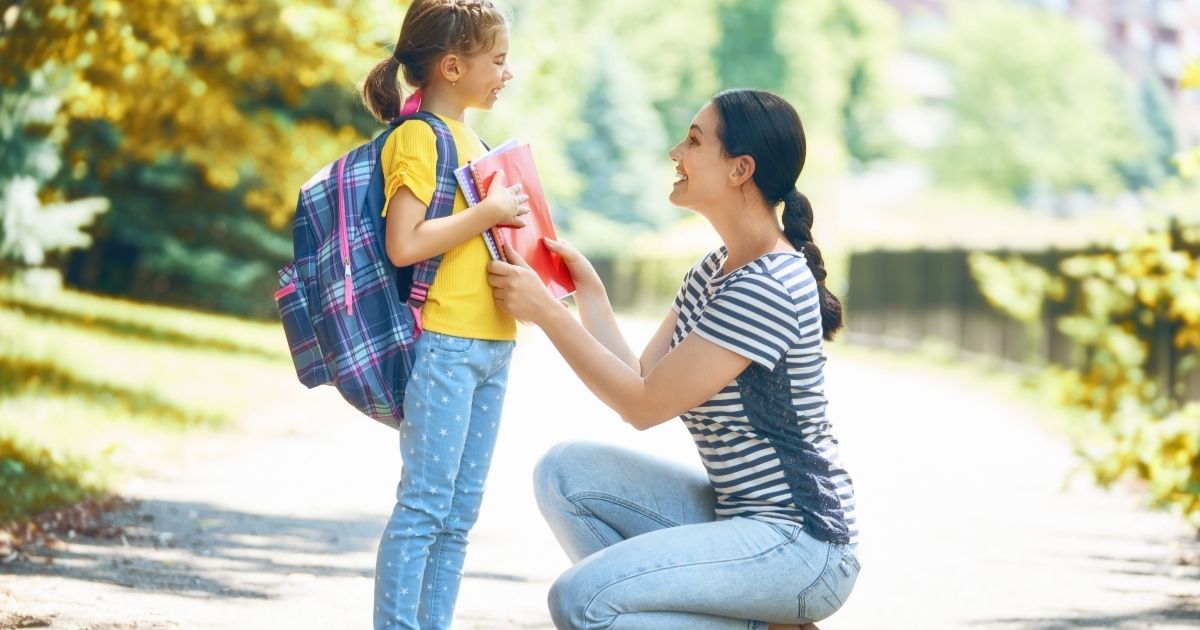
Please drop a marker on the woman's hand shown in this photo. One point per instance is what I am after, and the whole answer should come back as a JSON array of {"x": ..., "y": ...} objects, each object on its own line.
[
  {"x": 587, "y": 281},
  {"x": 518, "y": 290}
]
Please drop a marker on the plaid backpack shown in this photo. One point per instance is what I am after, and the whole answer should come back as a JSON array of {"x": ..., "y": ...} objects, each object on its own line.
[{"x": 351, "y": 317}]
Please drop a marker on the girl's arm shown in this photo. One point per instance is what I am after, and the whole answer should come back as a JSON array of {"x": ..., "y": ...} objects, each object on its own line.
[
  {"x": 677, "y": 380},
  {"x": 411, "y": 238}
]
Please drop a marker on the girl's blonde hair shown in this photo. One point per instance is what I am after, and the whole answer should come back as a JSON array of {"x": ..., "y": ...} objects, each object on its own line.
[{"x": 431, "y": 28}]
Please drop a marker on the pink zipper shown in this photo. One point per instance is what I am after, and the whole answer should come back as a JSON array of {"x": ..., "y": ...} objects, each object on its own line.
[{"x": 343, "y": 239}]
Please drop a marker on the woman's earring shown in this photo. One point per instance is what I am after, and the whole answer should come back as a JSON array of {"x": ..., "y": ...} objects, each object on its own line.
[{"x": 454, "y": 83}]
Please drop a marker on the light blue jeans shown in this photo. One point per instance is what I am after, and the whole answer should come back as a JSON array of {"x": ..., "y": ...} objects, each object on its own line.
[
  {"x": 451, "y": 415},
  {"x": 649, "y": 553}
]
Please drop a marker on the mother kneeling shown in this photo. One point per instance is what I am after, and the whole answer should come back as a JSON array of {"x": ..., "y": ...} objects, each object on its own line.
[{"x": 769, "y": 537}]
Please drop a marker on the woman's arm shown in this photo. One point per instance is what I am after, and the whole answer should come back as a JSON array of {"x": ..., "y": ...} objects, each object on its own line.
[
  {"x": 684, "y": 378},
  {"x": 411, "y": 238},
  {"x": 679, "y": 380},
  {"x": 596, "y": 313}
]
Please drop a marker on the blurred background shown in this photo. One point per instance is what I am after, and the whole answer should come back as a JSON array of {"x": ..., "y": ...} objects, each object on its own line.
[{"x": 1002, "y": 184}]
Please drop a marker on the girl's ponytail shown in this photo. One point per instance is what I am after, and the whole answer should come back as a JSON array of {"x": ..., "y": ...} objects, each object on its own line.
[
  {"x": 797, "y": 227},
  {"x": 381, "y": 90}
]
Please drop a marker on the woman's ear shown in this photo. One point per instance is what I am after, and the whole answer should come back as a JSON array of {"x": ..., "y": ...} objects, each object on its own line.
[
  {"x": 452, "y": 67},
  {"x": 742, "y": 171}
]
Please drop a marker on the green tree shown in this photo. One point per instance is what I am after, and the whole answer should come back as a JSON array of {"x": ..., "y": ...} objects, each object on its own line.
[
  {"x": 746, "y": 55},
  {"x": 34, "y": 223},
  {"x": 622, "y": 155},
  {"x": 1020, "y": 126},
  {"x": 839, "y": 54},
  {"x": 1156, "y": 126},
  {"x": 199, "y": 121}
]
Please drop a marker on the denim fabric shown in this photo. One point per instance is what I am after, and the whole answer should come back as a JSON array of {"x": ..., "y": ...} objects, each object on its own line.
[
  {"x": 452, "y": 413},
  {"x": 650, "y": 555}
]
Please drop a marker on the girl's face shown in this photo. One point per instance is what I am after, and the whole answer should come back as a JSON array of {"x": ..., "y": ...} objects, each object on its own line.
[
  {"x": 701, "y": 167},
  {"x": 486, "y": 74}
]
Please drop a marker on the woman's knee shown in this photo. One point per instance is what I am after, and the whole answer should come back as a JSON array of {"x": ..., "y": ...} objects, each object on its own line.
[
  {"x": 553, "y": 471},
  {"x": 568, "y": 601}
]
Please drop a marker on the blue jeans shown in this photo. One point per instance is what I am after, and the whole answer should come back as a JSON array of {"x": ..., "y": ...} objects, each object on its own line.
[
  {"x": 650, "y": 554},
  {"x": 452, "y": 411}
]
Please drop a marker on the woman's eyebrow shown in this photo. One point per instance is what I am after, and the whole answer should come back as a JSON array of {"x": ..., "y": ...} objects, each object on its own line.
[{"x": 698, "y": 130}]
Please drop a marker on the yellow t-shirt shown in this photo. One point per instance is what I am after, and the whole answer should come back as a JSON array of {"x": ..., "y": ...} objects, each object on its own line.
[{"x": 460, "y": 300}]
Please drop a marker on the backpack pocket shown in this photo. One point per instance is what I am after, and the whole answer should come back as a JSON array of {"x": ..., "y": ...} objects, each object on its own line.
[{"x": 292, "y": 300}]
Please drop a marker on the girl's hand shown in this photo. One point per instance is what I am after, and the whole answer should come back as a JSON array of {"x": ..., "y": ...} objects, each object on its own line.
[
  {"x": 587, "y": 281},
  {"x": 507, "y": 203},
  {"x": 518, "y": 290}
]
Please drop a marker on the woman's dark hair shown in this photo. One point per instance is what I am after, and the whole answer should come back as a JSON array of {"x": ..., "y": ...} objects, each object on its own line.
[
  {"x": 431, "y": 29},
  {"x": 767, "y": 128}
]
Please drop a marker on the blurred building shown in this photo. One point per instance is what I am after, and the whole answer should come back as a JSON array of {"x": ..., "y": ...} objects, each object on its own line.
[{"x": 1150, "y": 39}]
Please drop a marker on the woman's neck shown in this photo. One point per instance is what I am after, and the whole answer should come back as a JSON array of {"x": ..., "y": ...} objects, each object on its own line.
[
  {"x": 748, "y": 232},
  {"x": 441, "y": 100}
]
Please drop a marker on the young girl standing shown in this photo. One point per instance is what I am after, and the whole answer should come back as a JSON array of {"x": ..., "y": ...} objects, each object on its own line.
[{"x": 455, "y": 53}]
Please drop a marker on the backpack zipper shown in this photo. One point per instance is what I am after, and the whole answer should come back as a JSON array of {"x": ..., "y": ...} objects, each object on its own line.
[{"x": 343, "y": 239}]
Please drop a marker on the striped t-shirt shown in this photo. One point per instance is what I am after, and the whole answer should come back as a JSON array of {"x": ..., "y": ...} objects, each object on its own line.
[{"x": 764, "y": 438}]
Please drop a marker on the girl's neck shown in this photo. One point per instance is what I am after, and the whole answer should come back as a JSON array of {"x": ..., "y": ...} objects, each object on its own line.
[
  {"x": 441, "y": 100},
  {"x": 748, "y": 233}
]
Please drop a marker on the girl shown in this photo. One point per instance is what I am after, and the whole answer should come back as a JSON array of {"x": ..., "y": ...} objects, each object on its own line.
[
  {"x": 455, "y": 52},
  {"x": 769, "y": 537}
]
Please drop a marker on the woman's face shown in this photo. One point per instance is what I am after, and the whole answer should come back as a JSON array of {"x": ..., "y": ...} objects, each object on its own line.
[{"x": 701, "y": 167}]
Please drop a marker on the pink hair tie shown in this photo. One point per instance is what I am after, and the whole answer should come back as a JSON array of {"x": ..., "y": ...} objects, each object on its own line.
[{"x": 412, "y": 104}]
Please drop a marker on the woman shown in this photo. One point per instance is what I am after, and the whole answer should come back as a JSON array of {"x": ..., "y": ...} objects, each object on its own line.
[{"x": 769, "y": 538}]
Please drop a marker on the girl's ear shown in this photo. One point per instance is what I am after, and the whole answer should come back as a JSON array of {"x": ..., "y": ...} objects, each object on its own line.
[
  {"x": 452, "y": 67},
  {"x": 742, "y": 170}
]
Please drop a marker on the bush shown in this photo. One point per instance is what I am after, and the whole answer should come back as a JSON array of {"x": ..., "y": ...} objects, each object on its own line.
[{"x": 1135, "y": 422}]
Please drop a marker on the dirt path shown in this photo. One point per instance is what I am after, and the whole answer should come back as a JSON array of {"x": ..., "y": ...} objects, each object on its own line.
[{"x": 965, "y": 518}]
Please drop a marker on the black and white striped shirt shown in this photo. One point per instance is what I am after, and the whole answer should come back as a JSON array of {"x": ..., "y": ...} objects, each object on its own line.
[{"x": 764, "y": 438}]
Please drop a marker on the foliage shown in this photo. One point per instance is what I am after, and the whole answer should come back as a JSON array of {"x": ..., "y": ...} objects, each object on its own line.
[
  {"x": 33, "y": 479},
  {"x": 213, "y": 82},
  {"x": 1020, "y": 128},
  {"x": 746, "y": 55},
  {"x": 1118, "y": 300},
  {"x": 29, "y": 228},
  {"x": 198, "y": 121},
  {"x": 1156, "y": 126},
  {"x": 623, "y": 151},
  {"x": 839, "y": 55},
  {"x": 1188, "y": 161}
]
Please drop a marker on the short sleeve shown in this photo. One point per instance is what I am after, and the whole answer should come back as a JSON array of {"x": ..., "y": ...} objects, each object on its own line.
[
  {"x": 409, "y": 159},
  {"x": 752, "y": 315},
  {"x": 695, "y": 277}
]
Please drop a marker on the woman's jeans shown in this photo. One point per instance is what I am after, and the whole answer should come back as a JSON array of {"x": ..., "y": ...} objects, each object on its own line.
[
  {"x": 649, "y": 553},
  {"x": 452, "y": 411}
]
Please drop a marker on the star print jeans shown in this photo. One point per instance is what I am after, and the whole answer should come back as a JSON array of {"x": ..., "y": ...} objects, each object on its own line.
[{"x": 452, "y": 411}]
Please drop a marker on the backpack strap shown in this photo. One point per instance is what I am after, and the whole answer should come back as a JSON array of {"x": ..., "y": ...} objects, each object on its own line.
[{"x": 442, "y": 203}]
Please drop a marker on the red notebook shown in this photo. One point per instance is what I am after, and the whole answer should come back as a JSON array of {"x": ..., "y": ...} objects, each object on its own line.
[{"x": 517, "y": 164}]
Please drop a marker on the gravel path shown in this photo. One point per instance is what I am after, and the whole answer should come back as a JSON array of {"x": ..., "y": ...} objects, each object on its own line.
[{"x": 967, "y": 520}]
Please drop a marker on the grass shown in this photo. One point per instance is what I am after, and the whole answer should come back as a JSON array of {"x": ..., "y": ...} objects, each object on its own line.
[{"x": 95, "y": 389}]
